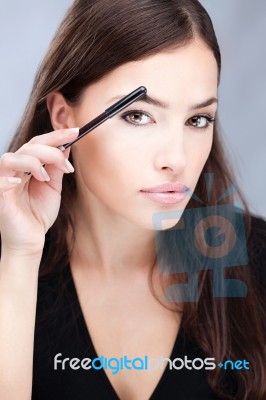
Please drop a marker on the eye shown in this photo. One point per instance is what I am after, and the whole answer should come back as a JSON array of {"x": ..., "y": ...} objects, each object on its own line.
[
  {"x": 200, "y": 121},
  {"x": 136, "y": 117}
]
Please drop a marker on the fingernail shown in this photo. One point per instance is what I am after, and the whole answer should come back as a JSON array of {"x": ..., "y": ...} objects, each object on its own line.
[
  {"x": 69, "y": 166},
  {"x": 71, "y": 131},
  {"x": 13, "y": 179},
  {"x": 44, "y": 174}
]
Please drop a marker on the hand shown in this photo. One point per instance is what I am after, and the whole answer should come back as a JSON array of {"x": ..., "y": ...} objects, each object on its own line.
[{"x": 29, "y": 208}]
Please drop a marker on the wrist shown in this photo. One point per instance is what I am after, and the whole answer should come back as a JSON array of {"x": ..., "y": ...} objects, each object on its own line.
[
  {"x": 22, "y": 252},
  {"x": 20, "y": 260}
]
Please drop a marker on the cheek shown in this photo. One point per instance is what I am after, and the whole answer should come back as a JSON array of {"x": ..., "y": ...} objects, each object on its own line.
[
  {"x": 102, "y": 160},
  {"x": 198, "y": 154}
]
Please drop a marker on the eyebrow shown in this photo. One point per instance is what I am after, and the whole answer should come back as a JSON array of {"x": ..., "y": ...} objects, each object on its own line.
[{"x": 157, "y": 103}]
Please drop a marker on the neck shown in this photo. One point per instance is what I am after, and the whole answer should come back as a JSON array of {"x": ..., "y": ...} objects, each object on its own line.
[{"x": 111, "y": 246}]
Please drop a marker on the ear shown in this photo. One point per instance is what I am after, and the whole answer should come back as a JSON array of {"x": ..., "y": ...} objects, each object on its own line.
[{"x": 61, "y": 114}]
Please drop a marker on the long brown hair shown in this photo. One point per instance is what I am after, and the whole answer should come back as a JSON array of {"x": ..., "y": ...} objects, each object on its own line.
[{"x": 95, "y": 37}]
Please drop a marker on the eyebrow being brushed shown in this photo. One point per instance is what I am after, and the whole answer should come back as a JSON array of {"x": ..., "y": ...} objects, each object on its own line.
[{"x": 157, "y": 103}]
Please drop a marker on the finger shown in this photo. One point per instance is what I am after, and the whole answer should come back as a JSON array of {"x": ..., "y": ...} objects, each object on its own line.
[
  {"x": 56, "y": 138},
  {"x": 12, "y": 164},
  {"x": 56, "y": 174},
  {"x": 46, "y": 155}
]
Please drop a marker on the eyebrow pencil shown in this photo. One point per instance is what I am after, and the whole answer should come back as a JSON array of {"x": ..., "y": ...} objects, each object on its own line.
[{"x": 108, "y": 113}]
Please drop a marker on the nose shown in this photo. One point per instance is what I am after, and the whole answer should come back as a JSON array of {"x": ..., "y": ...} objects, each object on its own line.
[{"x": 171, "y": 155}]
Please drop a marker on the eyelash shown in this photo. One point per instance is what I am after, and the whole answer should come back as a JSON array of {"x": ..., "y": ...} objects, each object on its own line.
[{"x": 210, "y": 120}]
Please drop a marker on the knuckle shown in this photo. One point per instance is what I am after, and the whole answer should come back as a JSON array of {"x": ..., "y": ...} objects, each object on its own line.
[
  {"x": 37, "y": 138},
  {"x": 34, "y": 139},
  {"x": 23, "y": 147},
  {"x": 5, "y": 158},
  {"x": 5, "y": 155},
  {"x": 55, "y": 153}
]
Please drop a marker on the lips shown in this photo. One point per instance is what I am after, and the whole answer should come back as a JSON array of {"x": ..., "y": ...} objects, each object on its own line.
[
  {"x": 167, "y": 187},
  {"x": 166, "y": 193}
]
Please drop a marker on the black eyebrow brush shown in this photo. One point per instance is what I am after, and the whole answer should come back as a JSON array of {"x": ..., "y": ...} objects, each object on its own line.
[{"x": 108, "y": 113}]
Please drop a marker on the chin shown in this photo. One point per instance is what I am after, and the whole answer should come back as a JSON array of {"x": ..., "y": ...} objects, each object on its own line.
[{"x": 162, "y": 226}]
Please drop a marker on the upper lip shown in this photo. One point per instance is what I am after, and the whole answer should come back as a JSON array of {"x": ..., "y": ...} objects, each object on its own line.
[{"x": 167, "y": 187}]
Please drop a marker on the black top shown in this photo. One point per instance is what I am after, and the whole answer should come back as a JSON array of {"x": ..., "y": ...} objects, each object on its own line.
[{"x": 61, "y": 328}]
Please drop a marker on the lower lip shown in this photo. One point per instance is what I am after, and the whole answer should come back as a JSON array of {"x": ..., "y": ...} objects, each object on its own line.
[{"x": 166, "y": 197}]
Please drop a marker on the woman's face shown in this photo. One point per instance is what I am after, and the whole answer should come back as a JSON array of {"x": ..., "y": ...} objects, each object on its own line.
[{"x": 146, "y": 145}]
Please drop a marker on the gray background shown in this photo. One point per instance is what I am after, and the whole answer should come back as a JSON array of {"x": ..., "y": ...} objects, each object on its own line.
[{"x": 27, "y": 27}]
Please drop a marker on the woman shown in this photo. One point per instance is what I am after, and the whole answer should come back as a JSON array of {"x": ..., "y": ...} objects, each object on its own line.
[{"x": 108, "y": 279}]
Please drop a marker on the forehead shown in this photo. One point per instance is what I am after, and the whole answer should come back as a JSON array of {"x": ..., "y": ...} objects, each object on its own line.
[{"x": 185, "y": 74}]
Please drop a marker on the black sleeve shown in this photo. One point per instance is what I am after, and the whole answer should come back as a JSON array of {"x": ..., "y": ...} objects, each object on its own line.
[{"x": 257, "y": 253}]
